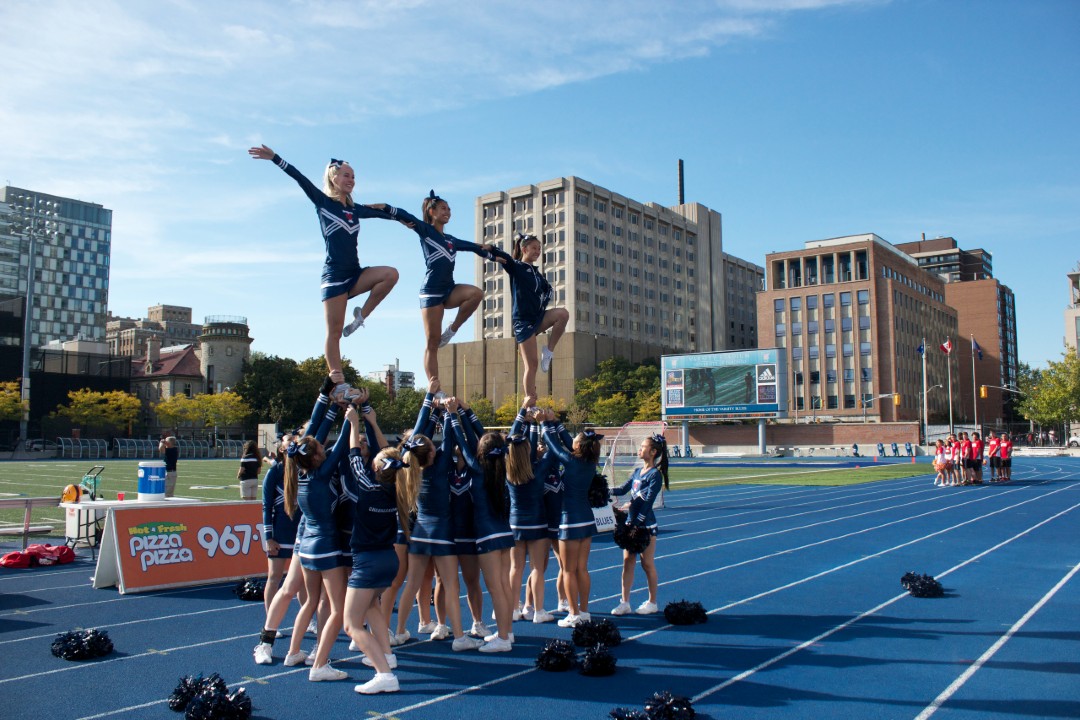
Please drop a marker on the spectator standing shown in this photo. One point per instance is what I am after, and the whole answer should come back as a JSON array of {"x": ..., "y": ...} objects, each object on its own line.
[{"x": 171, "y": 450}]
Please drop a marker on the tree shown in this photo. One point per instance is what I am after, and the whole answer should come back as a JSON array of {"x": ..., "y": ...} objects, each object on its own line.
[
  {"x": 221, "y": 409},
  {"x": 612, "y": 411},
  {"x": 176, "y": 410},
  {"x": 484, "y": 408},
  {"x": 1052, "y": 396},
  {"x": 647, "y": 406},
  {"x": 639, "y": 385},
  {"x": 505, "y": 413},
  {"x": 12, "y": 406},
  {"x": 282, "y": 391},
  {"x": 104, "y": 411}
]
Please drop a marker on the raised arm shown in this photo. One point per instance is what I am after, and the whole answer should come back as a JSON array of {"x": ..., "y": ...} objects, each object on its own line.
[
  {"x": 519, "y": 421},
  {"x": 468, "y": 451},
  {"x": 341, "y": 445},
  {"x": 555, "y": 443},
  {"x": 314, "y": 194}
]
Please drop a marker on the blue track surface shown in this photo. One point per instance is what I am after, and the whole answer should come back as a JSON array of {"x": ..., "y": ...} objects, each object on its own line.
[{"x": 807, "y": 620}]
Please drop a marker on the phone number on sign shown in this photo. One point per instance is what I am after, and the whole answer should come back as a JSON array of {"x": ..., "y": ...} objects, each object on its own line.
[{"x": 232, "y": 540}]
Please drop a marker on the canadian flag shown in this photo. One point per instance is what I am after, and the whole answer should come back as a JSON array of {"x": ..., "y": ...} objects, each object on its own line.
[{"x": 946, "y": 347}]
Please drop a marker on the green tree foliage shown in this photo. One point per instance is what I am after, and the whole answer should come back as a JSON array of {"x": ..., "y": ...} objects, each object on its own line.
[
  {"x": 638, "y": 388},
  {"x": 12, "y": 406},
  {"x": 1051, "y": 396},
  {"x": 282, "y": 391},
  {"x": 484, "y": 409},
  {"x": 103, "y": 411},
  {"x": 176, "y": 410},
  {"x": 612, "y": 411}
]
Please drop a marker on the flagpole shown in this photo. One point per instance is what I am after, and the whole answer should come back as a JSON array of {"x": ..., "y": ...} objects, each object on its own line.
[
  {"x": 925, "y": 414},
  {"x": 948, "y": 367},
  {"x": 974, "y": 388}
]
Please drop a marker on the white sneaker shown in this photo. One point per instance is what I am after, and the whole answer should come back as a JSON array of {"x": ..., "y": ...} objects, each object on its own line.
[
  {"x": 356, "y": 324},
  {"x": 479, "y": 629},
  {"x": 646, "y": 608},
  {"x": 466, "y": 643},
  {"x": 326, "y": 673},
  {"x": 353, "y": 647},
  {"x": 400, "y": 638},
  {"x": 295, "y": 659},
  {"x": 584, "y": 616},
  {"x": 264, "y": 654},
  {"x": 564, "y": 606},
  {"x": 623, "y": 608},
  {"x": 310, "y": 659},
  {"x": 391, "y": 660},
  {"x": 495, "y": 636},
  {"x": 448, "y": 333},
  {"x": 517, "y": 615},
  {"x": 497, "y": 645},
  {"x": 545, "y": 359},
  {"x": 541, "y": 616},
  {"x": 279, "y": 635},
  {"x": 312, "y": 627},
  {"x": 526, "y": 614},
  {"x": 382, "y": 682},
  {"x": 569, "y": 621},
  {"x": 441, "y": 632},
  {"x": 427, "y": 628}
]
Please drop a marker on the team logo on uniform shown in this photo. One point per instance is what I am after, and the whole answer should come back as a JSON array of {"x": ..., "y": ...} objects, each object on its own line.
[{"x": 347, "y": 214}]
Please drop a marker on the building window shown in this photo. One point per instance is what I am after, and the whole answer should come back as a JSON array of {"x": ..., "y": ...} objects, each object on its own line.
[
  {"x": 811, "y": 302},
  {"x": 864, "y": 297},
  {"x": 845, "y": 299},
  {"x": 864, "y": 348},
  {"x": 849, "y": 402},
  {"x": 778, "y": 305},
  {"x": 849, "y": 350},
  {"x": 828, "y": 299},
  {"x": 781, "y": 330},
  {"x": 815, "y": 377},
  {"x": 830, "y": 350},
  {"x": 831, "y": 402}
]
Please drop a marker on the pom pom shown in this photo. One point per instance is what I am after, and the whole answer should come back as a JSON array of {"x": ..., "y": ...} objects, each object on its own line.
[
  {"x": 187, "y": 689},
  {"x": 598, "y": 491},
  {"x": 250, "y": 589},
  {"x": 621, "y": 713},
  {"x": 634, "y": 540},
  {"x": 665, "y": 706},
  {"x": 596, "y": 632},
  {"x": 684, "y": 612},
  {"x": 82, "y": 644},
  {"x": 598, "y": 661},
  {"x": 922, "y": 586},
  {"x": 557, "y": 656},
  {"x": 208, "y": 698}
]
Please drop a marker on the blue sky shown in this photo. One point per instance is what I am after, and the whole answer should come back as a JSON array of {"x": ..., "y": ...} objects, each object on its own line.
[{"x": 797, "y": 120}]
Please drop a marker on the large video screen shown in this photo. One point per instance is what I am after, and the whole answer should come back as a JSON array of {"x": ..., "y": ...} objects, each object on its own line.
[{"x": 734, "y": 385}]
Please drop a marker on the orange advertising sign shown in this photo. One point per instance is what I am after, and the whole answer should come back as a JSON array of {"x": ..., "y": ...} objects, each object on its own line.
[{"x": 159, "y": 547}]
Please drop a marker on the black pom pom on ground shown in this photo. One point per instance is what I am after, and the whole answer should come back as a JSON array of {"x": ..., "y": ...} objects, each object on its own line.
[
  {"x": 634, "y": 540},
  {"x": 186, "y": 689},
  {"x": 621, "y": 713},
  {"x": 598, "y": 491},
  {"x": 665, "y": 706},
  {"x": 208, "y": 698},
  {"x": 598, "y": 662},
  {"x": 596, "y": 632},
  {"x": 685, "y": 612},
  {"x": 250, "y": 589},
  {"x": 82, "y": 645},
  {"x": 557, "y": 656},
  {"x": 922, "y": 586}
]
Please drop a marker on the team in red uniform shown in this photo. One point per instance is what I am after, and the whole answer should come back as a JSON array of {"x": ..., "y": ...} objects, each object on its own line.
[{"x": 1005, "y": 452}]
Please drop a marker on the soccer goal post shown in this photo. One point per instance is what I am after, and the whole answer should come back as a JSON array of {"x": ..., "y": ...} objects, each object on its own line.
[{"x": 621, "y": 458}]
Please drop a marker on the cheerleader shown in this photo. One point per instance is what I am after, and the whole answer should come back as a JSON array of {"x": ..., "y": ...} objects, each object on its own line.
[
  {"x": 493, "y": 535},
  {"x": 548, "y": 467},
  {"x": 342, "y": 277},
  {"x": 428, "y": 489},
  {"x": 530, "y": 295},
  {"x": 939, "y": 463},
  {"x": 644, "y": 484},
  {"x": 577, "y": 525},
  {"x": 374, "y": 562},
  {"x": 528, "y": 520},
  {"x": 439, "y": 291}
]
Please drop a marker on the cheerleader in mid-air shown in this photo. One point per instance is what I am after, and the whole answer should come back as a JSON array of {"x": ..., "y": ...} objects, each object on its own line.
[
  {"x": 644, "y": 484},
  {"x": 530, "y": 294},
  {"x": 342, "y": 277}
]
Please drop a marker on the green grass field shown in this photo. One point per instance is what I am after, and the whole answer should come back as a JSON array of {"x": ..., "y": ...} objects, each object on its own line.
[{"x": 216, "y": 480}]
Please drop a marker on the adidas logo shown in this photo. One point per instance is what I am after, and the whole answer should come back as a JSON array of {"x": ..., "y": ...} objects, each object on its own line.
[{"x": 766, "y": 375}]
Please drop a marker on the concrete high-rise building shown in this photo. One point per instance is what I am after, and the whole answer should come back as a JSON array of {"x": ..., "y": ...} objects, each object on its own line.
[
  {"x": 852, "y": 313},
  {"x": 169, "y": 324},
  {"x": 944, "y": 257},
  {"x": 72, "y": 244},
  {"x": 393, "y": 377},
  {"x": 1072, "y": 311},
  {"x": 638, "y": 279}
]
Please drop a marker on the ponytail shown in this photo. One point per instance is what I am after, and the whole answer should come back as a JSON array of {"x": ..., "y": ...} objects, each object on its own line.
[{"x": 517, "y": 252}]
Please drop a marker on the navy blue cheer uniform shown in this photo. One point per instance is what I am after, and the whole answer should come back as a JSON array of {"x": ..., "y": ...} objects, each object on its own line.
[
  {"x": 432, "y": 533},
  {"x": 345, "y": 495},
  {"x": 319, "y": 550},
  {"x": 440, "y": 251},
  {"x": 375, "y": 564},
  {"x": 643, "y": 486},
  {"x": 548, "y": 469},
  {"x": 578, "y": 521},
  {"x": 530, "y": 293},
  {"x": 277, "y": 525},
  {"x": 340, "y": 225},
  {"x": 528, "y": 519},
  {"x": 492, "y": 524}
]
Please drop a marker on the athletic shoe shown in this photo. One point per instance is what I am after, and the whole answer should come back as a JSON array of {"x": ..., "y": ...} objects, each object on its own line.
[
  {"x": 344, "y": 393},
  {"x": 356, "y": 324},
  {"x": 353, "y": 647},
  {"x": 466, "y": 643},
  {"x": 479, "y": 629},
  {"x": 541, "y": 616},
  {"x": 312, "y": 627},
  {"x": 516, "y": 616},
  {"x": 495, "y": 636},
  {"x": 585, "y": 616},
  {"x": 448, "y": 333},
  {"x": 310, "y": 659},
  {"x": 326, "y": 673},
  {"x": 264, "y": 654},
  {"x": 564, "y": 606},
  {"x": 545, "y": 359},
  {"x": 391, "y": 660},
  {"x": 441, "y": 632},
  {"x": 279, "y": 635},
  {"x": 569, "y": 621},
  {"x": 526, "y": 614},
  {"x": 646, "y": 608},
  {"x": 400, "y": 638},
  {"x": 382, "y": 682},
  {"x": 427, "y": 628},
  {"x": 497, "y": 645},
  {"x": 295, "y": 659},
  {"x": 623, "y": 608}
]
